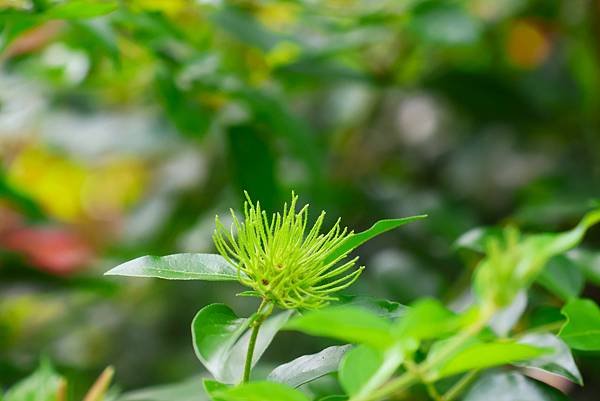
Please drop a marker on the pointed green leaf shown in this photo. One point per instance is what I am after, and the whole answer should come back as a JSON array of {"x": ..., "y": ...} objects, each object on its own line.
[
  {"x": 43, "y": 384},
  {"x": 511, "y": 386},
  {"x": 181, "y": 266},
  {"x": 309, "y": 367},
  {"x": 355, "y": 240},
  {"x": 260, "y": 391},
  {"x": 221, "y": 339},
  {"x": 347, "y": 323},
  {"x": 486, "y": 355},
  {"x": 559, "y": 361},
  {"x": 363, "y": 369},
  {"x": 582, "y": 329}
]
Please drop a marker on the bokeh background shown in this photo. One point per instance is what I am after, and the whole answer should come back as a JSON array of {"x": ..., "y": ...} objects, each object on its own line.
[{"x": 125, "y": 126}]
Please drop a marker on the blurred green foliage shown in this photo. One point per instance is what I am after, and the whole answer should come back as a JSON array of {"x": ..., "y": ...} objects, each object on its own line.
[{"x": 125, "y": 126}]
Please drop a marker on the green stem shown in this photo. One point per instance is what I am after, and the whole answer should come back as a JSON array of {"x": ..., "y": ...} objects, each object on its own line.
[
  {"x": 460, "y": 386},
  {"x": 260, "y": 318}
]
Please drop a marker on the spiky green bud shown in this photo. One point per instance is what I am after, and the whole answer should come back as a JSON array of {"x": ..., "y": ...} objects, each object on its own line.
[{"x": 282, "y": 261}]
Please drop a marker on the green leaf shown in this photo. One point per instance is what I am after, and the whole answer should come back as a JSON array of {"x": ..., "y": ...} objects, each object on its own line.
[
  {"x": 382, "y": 307},
  {"x": 559, "y": 361},
  {"x": 260, "y": 391},
  {"x": 188, "y": 390},
  {"x": 355, "y": 240},
  {"x": 213, "y": 386},
  {"x": 582, "y": 329},
  {"x": 347, "y": 323},
  {"x": 486, "y": 355},
  {"x": 588, "y": 262},
  {"x": 426, "y": 319},
  {"x": 78, "y": 9},
  {"x": 43, "y": 384},
  {"x": 181, "y": 266},
  {"x": 363, "y": 369},
  {"x": 562, "y": 277},
  {"x": 511, "y": 386},
  {"x": 221, "y": 339},
  {"x": 309, "y": 367}
]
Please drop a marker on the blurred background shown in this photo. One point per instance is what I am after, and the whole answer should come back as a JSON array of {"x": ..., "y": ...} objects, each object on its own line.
[{"x": 125, "y": 126}]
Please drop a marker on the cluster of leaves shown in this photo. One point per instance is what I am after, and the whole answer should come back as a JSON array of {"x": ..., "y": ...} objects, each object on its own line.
[{"x": 390, "y": 349}]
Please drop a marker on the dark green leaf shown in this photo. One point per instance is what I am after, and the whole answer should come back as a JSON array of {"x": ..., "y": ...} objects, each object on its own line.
[
  {"x": 181, "y": 266},
  {"x": 309, "y": 367},
  {"x": 582, "y": 329},
  {"x": 562, "y": 277}
]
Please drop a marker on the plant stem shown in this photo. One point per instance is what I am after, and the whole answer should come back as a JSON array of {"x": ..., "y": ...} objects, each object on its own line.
[
  {"x": 460, "y": 386},
  {"x": 260, "y": 318}
]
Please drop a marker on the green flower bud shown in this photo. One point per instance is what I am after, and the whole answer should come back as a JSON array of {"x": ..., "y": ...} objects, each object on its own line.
[{"x": 281, "y": 260}]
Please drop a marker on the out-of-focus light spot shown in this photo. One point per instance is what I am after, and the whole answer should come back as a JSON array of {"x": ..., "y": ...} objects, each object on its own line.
[
  {"x": 53, "y": 181},
  {"x": 526, "y": 45},
  {"x": 75, "y": 64},
  {"x": 278, "y": 15},
  {"x": 164, "y": 6},
  {"x": 110, "y": 189},
  {"x": 493, "y": 10},
  {"x": 53, "y": 249},
  {"x": 283, "y": 53},
  {"x": 418, "y": 119},
  {"x": 71, "y": 191},
  {"x": 21, "y": 103}
]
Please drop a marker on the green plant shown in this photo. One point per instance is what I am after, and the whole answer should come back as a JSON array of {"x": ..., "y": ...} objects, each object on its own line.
[{"x": 390, "y": 350}]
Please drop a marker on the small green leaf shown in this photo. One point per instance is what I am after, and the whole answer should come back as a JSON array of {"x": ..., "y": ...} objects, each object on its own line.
[
  {"x": 582, "y": 329},
  {"x": 78, "y": 9},
  {"x": 364, "y": 368},
  {"x": 355, "y": 240},
  {"x": 347, "y": 323},
  {"x": 559, "y": 361},
  {"x": 426, "y": 319},
  {"x": 309, "y": 367},
  {"x": 486, "y": 355},
  {"x": 181, "y": 266},
  {"x": 260, "y": 391},
  {"x": 221, "y": 339},
  {"x": 511, "y": 386}
]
